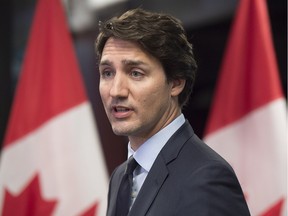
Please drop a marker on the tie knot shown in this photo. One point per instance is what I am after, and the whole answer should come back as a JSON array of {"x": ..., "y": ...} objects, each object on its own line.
[{"x": 131, "y": 165}]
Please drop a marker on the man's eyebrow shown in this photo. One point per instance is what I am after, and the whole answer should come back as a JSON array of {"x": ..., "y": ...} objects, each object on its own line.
[
  {"x": 124, "y": 62},
  {"x": 133, "y": 62},
  {"x": 105, "y": 62}
]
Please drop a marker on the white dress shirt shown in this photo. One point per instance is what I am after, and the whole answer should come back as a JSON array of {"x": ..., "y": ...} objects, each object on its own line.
[{"x": 149, "y": 150}]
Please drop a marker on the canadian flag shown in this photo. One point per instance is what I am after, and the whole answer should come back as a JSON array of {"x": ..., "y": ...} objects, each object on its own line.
[
  {"x": 52, "y": 162},
  {"x": 247, "y": 123}
]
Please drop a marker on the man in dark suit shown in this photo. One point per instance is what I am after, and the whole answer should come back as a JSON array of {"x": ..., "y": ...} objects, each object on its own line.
[{"x": 147, "y": 70}]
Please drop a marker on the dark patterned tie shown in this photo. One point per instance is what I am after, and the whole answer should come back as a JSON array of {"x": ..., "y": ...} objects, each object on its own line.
[{"x": 125, "y": 189}]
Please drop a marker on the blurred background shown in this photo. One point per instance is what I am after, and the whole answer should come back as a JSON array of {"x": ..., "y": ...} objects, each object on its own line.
[{"x": 207, "y": 23}]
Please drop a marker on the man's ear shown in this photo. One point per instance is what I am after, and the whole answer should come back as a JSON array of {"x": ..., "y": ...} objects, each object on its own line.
[{"x": 177, "y": 86}]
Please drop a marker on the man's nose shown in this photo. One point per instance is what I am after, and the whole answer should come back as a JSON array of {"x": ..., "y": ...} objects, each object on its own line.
[{"x": 119, "y": 86}]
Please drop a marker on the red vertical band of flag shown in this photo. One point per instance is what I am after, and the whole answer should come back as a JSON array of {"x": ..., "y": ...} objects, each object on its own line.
[
  {"x": 50, "y": 73},
  {"x": 249, "y": 74},
  {"x": 52, "y": 161},
  {"x": 247, "y": 121}
]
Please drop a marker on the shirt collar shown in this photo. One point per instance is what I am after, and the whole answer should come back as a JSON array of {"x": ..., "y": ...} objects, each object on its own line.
[{"x": 146, "y": 154}]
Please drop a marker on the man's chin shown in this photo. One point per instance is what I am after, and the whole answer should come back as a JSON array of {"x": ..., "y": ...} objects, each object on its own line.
[{"x": 120, "y": 132}]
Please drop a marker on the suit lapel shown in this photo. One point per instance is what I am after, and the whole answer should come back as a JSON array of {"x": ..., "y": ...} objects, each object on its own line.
[
  {"x": 159, "y": 172},
  {"x": 155, "y": 178},
  {"x": 150, "y": 188},
  {"x": 116, "y": 179}
]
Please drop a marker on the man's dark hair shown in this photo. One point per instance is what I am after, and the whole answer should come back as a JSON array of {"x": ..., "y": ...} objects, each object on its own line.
[{"x": 161, "y": 35}]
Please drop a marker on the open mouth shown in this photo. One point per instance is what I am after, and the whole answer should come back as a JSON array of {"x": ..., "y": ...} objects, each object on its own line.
[
  {"x": 120, "y": 109},
  {"x": 121, "y": 112}
]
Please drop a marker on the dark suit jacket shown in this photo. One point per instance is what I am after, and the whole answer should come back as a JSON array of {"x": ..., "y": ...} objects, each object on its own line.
[{"x": 187, "y": 179}]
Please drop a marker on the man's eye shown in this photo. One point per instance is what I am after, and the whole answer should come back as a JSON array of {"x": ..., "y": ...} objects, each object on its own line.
[
  {"x": 107, "y": 74},
  {"x": 136, "y": 74}
]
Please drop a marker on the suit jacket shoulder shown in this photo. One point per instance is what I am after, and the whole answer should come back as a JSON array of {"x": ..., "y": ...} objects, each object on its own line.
[{"x": 189, "y": 178}]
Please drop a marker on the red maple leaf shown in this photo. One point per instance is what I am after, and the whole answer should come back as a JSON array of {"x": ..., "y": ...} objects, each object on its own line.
[
  {"x": 91, "y": 211},
  {"x": 275, "y": 210},
  {"x": 29, "y": 202}
]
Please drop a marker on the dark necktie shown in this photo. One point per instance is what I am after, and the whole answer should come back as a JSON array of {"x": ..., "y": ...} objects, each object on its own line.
[{"x": 124, "y": 193}]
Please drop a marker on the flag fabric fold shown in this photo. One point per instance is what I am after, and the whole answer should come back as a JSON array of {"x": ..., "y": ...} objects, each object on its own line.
[
  {"x": 52, "y": 161},
  {"x": 247, "y": 121}
]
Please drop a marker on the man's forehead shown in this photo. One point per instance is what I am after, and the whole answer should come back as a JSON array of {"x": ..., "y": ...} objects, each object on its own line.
[{"x": 118, "y": 43}]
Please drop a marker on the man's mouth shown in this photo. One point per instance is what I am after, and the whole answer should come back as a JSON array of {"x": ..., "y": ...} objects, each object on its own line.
[
  {"x": 121, "y": 109},
  {"x": 121, "y": 112}
]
